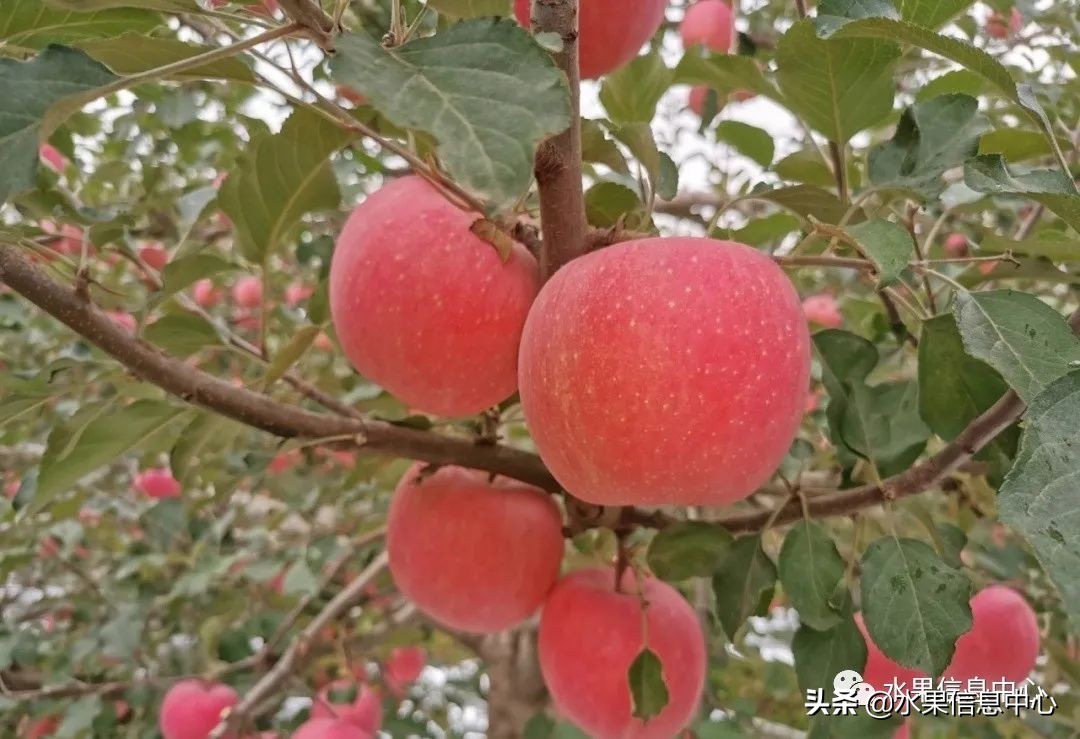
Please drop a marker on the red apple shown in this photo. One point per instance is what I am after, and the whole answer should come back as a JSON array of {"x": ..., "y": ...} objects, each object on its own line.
[
  {"x": 155, "y": 255},
  {"x": 475, "y": 554},
  {"x": 822, "y": 309},
  {"x": 285, "y": 461},
  {"x": 347, "y": 93},
  {"x": 206, "y": 295},
  {"x": 328, "y": 728},
  {"x": 699, "y": 96},
  {"x": 247, "y": 292},
  {"x": 665, "y": 371},
  {"x": 296, "y": 293},
  {"x": 192, "y": 709},
  {"x": 68, "y": 239},
  {"x": 48, "y": 547},
  {"x": 610, "y": 32},
  {"x": 708, "y": 23},
  {"x": 124, "y": 320},
  {"x": 363, "y": 711},
  {"x": 404, "y": 666},
  {"x": 323, "y": 342},
  {"x": 52, "y": 158},
  {"x": 424, "y": 307},
  {"x": 1004, "y": 641},
  {"x": 590, "y": 635},
  {"x": 157, "y": 483},
  {"x": 986, "y": 268},
  {"x": 40, "y": 728},
  {"x": 956, "y": 245},
  {"x": 997, "y": 26}
]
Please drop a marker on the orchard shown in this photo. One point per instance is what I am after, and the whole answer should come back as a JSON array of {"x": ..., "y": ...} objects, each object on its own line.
[{"x": 625, "y": 369}]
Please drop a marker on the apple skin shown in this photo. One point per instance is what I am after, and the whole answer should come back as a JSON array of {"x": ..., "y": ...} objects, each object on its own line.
[
  {"x": 206, "y": 295},
  {"x": 365, "y": 711},
  {"x": 997, "y": 26},
  {"x": 699, "y": 96},
  {"x": 667, "y": 371},
  {"x": 155, "y": 255},
  {"x": 424, "y": 307},
  {"x": 708, "y": 23},
  {"x": 247, "y": 292},
  {"x": 956, "y": 245},
  {"x": 822, "y": 309},
  {"x": 192, "y": 709},
  {"x": 610, "y": 32},
  {"x": 328, "y": 728},
  {"x": 1004, "y": 641},
  {"x": 475, "y": 554},
  {"x": 590, "y": 635},
  {"x": 157, "y": 483},
  {"x": 403, "y": 667}
]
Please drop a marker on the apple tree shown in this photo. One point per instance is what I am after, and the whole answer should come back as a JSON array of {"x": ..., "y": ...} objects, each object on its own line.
[{"x": 538, "y": 369}]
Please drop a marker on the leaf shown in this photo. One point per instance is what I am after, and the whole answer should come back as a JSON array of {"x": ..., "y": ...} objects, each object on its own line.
[
  {"x": 281, "y": 178},
  {"x": 1017, "y": 144},
  {"x": 180, "y": 274},
  {"x": 208, "y": 434},
  {"x": 688, "y": 549},
  {"x": 90, "y": 6},
  {"x": 132, "y": 53},
  {"x": 888, "y": 245},
  {"x": 1056, "y": 246},
  {"x": 743, "y": 583},
  {"x": 630, "y": 94},
  {"x": 821, "y": 654},
  {"x": 181, "y": 334},
  {"x": 597, "y": 148},
  {"x": 482, "y": 88},
  {"x": 31, "y": 89},
  {"x": 14, "y": 407},
  {"x": 638, "y": 138},
  {"x": 648, "y": 691},
  {"x": 807, "y": 200},
  {"x": 104, "y": 439},
  {"x": 750, "y": 141},
  {"x": 931, "y": 138},
  {"x": 1020, "y": 336},
  {"x": 79, "y": 716},
  {"x": 606, "y": 202},
  {"x": 932, "y": 14},
  {"x": 299, "y": 579},
  {"x": 962, "y": 81},
  {"x": 1040, "y": 498},
  {"x": 765, "y": 230},
  {"x": 839, "y": 87},
  {"x": 988, "y": 174},
  {"x": 290, "y": 354},
  {"x": 472, "y": 8},
  {"x": 914, "y": 605},
  {"x": 811, "y": 569},
  {"x": 725, "y": 73},
  {"x": 30, "y": 24}
]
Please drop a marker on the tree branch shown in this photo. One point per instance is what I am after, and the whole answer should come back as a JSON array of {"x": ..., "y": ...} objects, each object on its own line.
[{"x": 558, "y": 159}]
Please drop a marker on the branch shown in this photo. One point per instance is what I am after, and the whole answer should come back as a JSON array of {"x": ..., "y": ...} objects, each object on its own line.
[
  {"x": 558, "y": 159},
  {"x": 311, "y": 17},
  {"x": 294, "y": 655}
]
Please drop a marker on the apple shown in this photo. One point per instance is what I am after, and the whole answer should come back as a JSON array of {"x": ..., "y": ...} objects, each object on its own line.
[
  {"x": 822, "y": 309},
  {"x": 590, "y": 635},
  {"x": 69, "y": 238},
  {"x": 403, "y": 667},
  {"x": 956, "y": 245},
  {"x": 708, "y": 23},
  {"x": 52, "y": 158},
  {"x": 124, "y": 320},
  {"x": 284, "y": 461},
  {"x": 473, "y": 553},
  {"x": 192, "y": 709},
  {"x": 157, "y": 483},
  {"x": 296, "y": 293},
  {"x": 40, "y": 728},
  {"x": 247, "y": 292},
  {"x": 699, "y": 97},
  {"x": 328, "y": 728},
  {"x": 363, "y": 710},
  {"x": 350, "y": 95},
  {"x": 206, "y": 295},
  {"x": 1003, "y": 642},
  {"x": 610, "y": 32},
  {"x": 424, "y": 307},
  {"x": 1000, "y": 27},
  {"x": 665, "y": 371},
  {"x": 155, "y": 255}
]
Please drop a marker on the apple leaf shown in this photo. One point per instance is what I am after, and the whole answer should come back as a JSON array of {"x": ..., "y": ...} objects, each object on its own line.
[
  {"x": 688, "y": 549},
  {"x": 811, "y": 569},
  {"x": 914, "y": 604},
  {"x": 472, "y": 8},
  {"x": 821, "y": 654},
  {"x": 888, "y": 245},
  {"x": 180, "y": 274},
  {"x": 631, "y": 93},
  {"x": 181, "y": 334},
  {"x": 31, "y": 89},
  {"x": 1056, "y": 246},
  {"x": 750, "y": 141},
  {"x": 135, "y": 52},
  {"x": 648, "y": 691},
  {"x": 725, "y": 73},
  {"x": 92, "y": 6},
  {"x": 931, "y": 14},
  {"x": 743, "y": 583},
  {"x": 1020, "y": 336},
  {"x": 1040, "y": 497},
  {"x": 279, "y": 179},
  {"x": 808, "y": 200},
  {"x": 989, "y": 174},
  {"x": 483, "y": 88},
  {"x": 31, "y": 24}
]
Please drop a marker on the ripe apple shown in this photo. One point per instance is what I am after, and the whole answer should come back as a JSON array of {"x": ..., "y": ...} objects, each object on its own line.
[
  {"x": 247, "y": 292},
  {"x": 424, "y": 307},
  {"x": 68, "y": 239},
  {"x": 40, "y": 728},
  {"x": 206, "y": 295},
  {"x": 590, "y": 635},
  {"x": 822, "y": 309},
  {"x": 124, "y": 320},
  {"x": 1003, "y": 643},
  {"x": 956, "y": 245},
  {"x": 665, "y": 371},
  {"x": 403, "y": 667},
  {"x": 997, "y": 26},
  {"x": 708, "y": 23},
  {"x": 52, "y": 158},
  {"x": 699, "y": 96},
  {"x": 329, "y": 728},
  {"x": 155, "y": 255},
  {"x": 157, "y": 483},
  {"x": 296, "y": 293},
  {"x": 610, "y": 32},
  {"x": 363, "y": 711},
  {"x": 474, "y": 554},
  {"x": 192, "y": 709}
]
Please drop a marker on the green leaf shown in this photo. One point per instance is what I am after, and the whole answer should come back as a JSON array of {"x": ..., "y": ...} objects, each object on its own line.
[
  {"x": 181, "y": 334},
  {"x": 299, "y": 579},
  {"x": 648, "y": 691},
  {"x": 988, "y": 174},
  {"x": 597, "y": 148},
  {"x": 932, "y": 14},
  {"x": 90, "y": 6},
  {"x": 1056, "y": 246},
  {"x": 472, "y": 8},
  {"x": 208, "y": 434},
  {"x": 482, "y": 88},
  {"x": 30, "y": 24},
  {"x": 915, "y": 606},
  {"x": 750, "y": 141},
  {"x": 931, "y": 138},
  {"x": 1017, "y": 144},
  {"x": 630, "y": 94},
  {"x": 743, "y": 583},
  {"x": 811, "y": 569},
  {"x": 14, "y": 407},
  {"x": 606, "y": 202},
  {"x": 290, "y": 354},
  {"x": 725, "y": 73},
  {"x": 134, "y": 52},
  {"x": 688, "y": 549},
  {"x": 806, "y": 201},
  {"x": 962, "y": 81},
  {"x": 180, "y": 274},
  {"x": 31, "y": 90},
  {"x": 879, "y": 423},
  {"x": 79, "y": 716},
  {"x": 281, "y": 178},
  {"x": 1020, "y": 336},
  {"x": 638, "y": 138},
  {"x": 807, "y": 166},
  {"x": 765, "y": 230},
  {"x": 821, "y": 654},
  {"x": 1040, "y": 498},
  {"x": 839, "y": 87},
  {"x": 888, "y": 245},
  {"x": 105, "y": 438}
]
